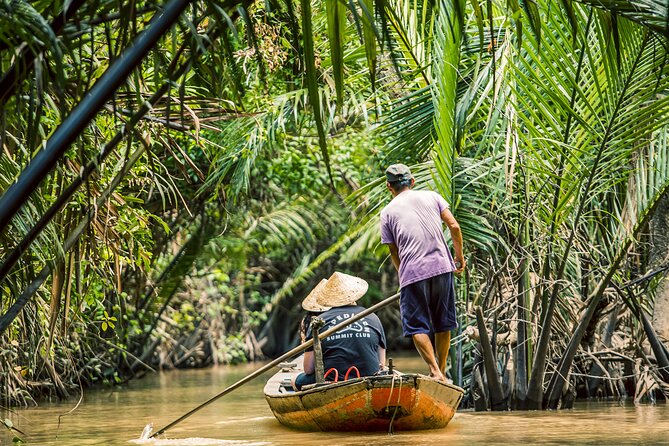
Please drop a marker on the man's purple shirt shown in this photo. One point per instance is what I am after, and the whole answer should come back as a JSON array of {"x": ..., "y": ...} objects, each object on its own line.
[{"x": 412, "y": 221}]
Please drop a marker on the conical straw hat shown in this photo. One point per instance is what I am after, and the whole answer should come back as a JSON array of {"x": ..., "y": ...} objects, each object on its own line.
[
  {"x": 310, "y": 304},
  {"x": 341, "y": 289}
]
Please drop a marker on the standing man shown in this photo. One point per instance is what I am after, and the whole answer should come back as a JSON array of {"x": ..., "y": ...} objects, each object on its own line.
[{"x": 411, "y": 226}]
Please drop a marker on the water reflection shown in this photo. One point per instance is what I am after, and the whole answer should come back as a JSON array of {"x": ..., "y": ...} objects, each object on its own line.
[{"x": 117, "y": 417}]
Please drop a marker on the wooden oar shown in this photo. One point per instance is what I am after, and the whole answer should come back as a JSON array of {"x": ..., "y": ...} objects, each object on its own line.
[{"x": 280, "y": 359}]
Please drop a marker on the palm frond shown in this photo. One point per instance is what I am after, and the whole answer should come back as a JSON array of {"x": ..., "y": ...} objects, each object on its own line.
[{"x": 649, "y": 13}]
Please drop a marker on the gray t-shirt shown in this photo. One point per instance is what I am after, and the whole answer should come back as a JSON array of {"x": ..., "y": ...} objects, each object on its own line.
[{"x": 412, "y": 221}]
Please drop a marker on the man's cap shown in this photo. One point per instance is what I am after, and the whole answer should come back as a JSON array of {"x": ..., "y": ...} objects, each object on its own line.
[
  {"x": 341, "y": 289},
  {"x": 398, "y": 172},
  {"x": 310, "y": 302}
]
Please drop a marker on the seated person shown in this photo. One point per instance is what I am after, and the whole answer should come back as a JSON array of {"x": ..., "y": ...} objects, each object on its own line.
[
  {"x": 313, "y": 308},
  {"x": 361, "y": 344}
]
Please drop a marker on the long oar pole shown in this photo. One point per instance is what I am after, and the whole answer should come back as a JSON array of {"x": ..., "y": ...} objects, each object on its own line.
[{"x": 282, "y": 358}]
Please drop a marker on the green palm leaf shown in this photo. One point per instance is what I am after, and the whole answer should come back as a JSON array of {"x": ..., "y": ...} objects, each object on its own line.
[
  {"x": 336, "y": 13},
  {"x": 312, "y": 82},
  {"x": 448, "y": 37}
]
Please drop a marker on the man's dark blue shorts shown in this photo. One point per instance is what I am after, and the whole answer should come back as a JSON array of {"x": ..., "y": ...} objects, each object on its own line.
[{"x": 428, "y": 305}]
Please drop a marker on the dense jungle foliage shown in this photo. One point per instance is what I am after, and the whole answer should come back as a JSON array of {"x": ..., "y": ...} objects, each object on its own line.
[{"x": 242, "y": 160}]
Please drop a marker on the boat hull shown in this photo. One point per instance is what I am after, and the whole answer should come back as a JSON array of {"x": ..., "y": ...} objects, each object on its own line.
[{"x": 375, "y": 403}]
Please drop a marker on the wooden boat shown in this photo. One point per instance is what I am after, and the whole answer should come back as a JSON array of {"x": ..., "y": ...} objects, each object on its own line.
[{"x": 396, "y": 401}]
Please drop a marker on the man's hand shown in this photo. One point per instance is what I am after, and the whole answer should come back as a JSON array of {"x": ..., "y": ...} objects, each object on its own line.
[{"x": 460, "y": 264}]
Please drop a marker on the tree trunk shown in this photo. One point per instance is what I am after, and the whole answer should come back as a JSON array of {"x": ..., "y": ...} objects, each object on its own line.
[
  {"x": 520, "y": 349},
  {"x": 596, "y": 371},
  {"x": 659, "y": 255},
  {"x": 497, "y": 400}
]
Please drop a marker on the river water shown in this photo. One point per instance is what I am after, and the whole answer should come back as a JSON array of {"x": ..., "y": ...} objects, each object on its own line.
[{"x": 118, "y": 416}]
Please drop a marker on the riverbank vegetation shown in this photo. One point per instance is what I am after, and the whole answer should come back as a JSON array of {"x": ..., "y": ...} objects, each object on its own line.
[{"x": 242, "y": 161}]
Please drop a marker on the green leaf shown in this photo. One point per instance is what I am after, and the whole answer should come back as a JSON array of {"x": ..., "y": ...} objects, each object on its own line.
[
  {"x": 312, "y": 82},
  {"x": 516, "y": 15},
  {"x": 336, "y": 12},
  {"x": 532, "y": 12},
  {"x": 478, "y": 13},
  {"x": 131, "y": 199},
  {"x": 162, "y": 223},
  {"x": 369, "y": 35},
  {"x": 104, "y": 326},
  {"x": 447, "y": 49},
  {"x": 571, "y": 15}
]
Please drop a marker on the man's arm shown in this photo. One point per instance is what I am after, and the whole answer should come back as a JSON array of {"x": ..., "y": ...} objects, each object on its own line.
[
  {"x": 382, "y": 357},
  {"x": 394, "y": 255},
  {"x": 309, "y": 364},
  {"x": 456, "y": 235}
]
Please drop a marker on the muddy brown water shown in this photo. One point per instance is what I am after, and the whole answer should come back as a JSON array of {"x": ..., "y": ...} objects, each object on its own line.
[{"x": 118, "y": 416}]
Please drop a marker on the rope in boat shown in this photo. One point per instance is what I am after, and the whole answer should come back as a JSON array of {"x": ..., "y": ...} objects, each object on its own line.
[{"x": 390, "y": 394}]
